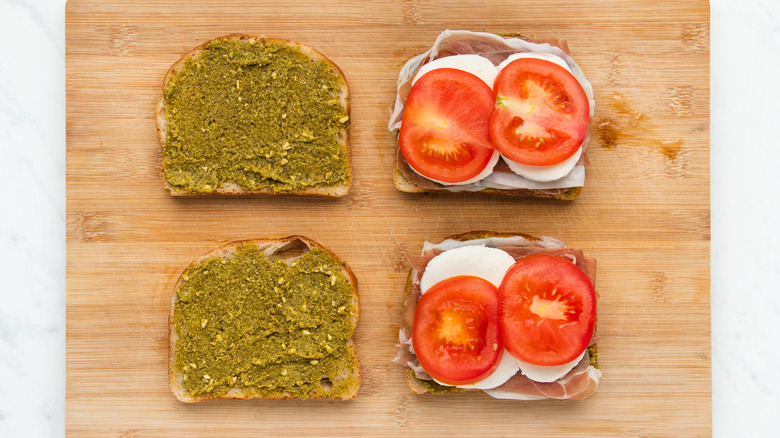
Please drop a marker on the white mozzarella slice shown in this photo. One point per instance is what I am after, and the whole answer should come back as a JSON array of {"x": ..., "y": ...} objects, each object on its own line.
[
  {"x": 509, "y": 395},
  {"x": 545, "y": 173},
  {"x": 540, "y": 373},
  {"x": 507, "y": 367},
  {"x": 474, "y": 64},
  {"x": 482, "y": 175},
  {"x": 546, "y": 56},
  {"x": 480, "y": 261}
]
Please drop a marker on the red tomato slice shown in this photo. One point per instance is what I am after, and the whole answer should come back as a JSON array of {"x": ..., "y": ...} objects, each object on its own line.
[
  {"x": 455, "y": 333},
  {"x": 444, "y": 130},
  {"x": 547, "y": 308},
  {"x": 542, "y": 112}
]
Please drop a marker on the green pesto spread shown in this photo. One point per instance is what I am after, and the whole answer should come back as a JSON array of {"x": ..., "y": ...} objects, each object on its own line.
[
  {"x": 594, "y": 356},
  {"x": 257, "y": 113},
  {"x": 265, "y": 327}
]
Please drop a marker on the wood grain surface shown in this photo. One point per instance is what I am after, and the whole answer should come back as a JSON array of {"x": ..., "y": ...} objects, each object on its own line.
[{"x": 644, "y": 213}]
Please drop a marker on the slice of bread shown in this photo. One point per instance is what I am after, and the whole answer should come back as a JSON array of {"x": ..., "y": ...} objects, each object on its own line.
[
  {"x": 411, "y": 295},
  {"x": 263, "y": 143},
  {"x": 266, "y": 318}
]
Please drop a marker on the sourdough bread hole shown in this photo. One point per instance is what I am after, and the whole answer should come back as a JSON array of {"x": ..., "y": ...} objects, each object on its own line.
[
  {"x": 292, "y": 251},
  {"x": 326, "y": 384}
]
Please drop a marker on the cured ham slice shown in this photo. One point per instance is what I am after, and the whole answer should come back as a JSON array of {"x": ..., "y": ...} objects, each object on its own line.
[{"x": 578, "y": 384}]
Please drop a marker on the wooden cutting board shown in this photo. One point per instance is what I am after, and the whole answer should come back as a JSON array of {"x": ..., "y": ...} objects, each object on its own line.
[{"x": 644, "y": 213}]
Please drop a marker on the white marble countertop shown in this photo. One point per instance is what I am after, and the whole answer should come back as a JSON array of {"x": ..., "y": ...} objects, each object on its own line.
[{"x": 745, "y": 132}]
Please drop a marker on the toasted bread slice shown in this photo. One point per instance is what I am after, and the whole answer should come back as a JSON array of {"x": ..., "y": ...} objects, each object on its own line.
[
  {"x": 263, "y": 143},
  {"x": 266, "y": 318},
  {"x": 426, "y": 385}
]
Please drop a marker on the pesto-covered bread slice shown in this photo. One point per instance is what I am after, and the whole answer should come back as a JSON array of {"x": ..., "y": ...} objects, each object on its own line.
[
  {"x": 243, "y": 115},
  {"x": 264, "y": 319}
]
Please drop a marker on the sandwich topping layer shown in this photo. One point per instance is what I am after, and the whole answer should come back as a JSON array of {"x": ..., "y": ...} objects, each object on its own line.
[
  {"x": 580, "y": 378},
  {"x": 554, "y": 179},
  {"x": 265, "y": 327},
  {"x": 259, "y": 113}
]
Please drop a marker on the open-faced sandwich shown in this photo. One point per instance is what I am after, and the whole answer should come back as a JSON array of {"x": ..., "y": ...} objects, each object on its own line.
[
  {"x": 511, "y": 315},
  {"x": 243, "y": 115},
  {"x": 480, "y": 112},
  {"x": 268, "y": 318}
]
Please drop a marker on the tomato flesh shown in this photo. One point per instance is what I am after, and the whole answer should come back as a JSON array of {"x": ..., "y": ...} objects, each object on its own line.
[
  {"x": 455, "y": 333},
  {"x": 541, "y": 112},
  {"x": 547, "y": 310},
  {"x": 444, "y": 131}
]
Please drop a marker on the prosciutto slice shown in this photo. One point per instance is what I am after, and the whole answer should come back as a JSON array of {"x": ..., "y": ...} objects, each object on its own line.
[{"x": 578, "y": 384}]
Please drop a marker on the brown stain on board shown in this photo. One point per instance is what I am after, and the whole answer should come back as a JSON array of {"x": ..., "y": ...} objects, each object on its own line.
[
  {"x": 634, "y": 118},
  {"x": 671, "y": 149},
  {"x": 608, "y": 133},
  {"x": 676, "y": 162},
  {"x": 626, "y": 125}
]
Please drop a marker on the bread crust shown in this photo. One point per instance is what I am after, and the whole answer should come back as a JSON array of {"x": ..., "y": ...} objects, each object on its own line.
[
  {"x": 270, "y": 247},
  {"x": 229, "y": 188}
]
